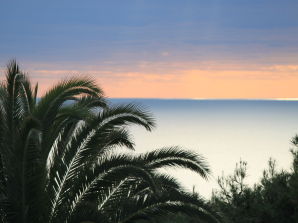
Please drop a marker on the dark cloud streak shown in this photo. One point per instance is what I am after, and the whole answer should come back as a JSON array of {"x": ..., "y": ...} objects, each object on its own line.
[{"x": 131, "y": 32}]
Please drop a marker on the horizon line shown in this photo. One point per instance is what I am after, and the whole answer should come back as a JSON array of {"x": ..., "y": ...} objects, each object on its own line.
[{"x": 217, "y": 99}]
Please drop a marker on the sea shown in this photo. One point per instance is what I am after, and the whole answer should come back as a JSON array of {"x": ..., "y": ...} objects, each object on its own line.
[{"x": 222, "y": 131}]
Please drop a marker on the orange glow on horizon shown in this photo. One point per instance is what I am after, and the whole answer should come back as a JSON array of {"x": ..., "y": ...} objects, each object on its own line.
[{"x": 278, "y": 81}]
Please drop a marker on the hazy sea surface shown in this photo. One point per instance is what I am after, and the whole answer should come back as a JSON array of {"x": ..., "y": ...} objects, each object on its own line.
[{"x": 223, "y": 131}]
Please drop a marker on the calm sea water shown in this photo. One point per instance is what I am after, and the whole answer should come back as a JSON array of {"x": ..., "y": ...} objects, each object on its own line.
[{"x": 223, "y": 131}]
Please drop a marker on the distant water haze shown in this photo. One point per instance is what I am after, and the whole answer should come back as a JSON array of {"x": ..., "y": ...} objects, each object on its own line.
[{"x": 223, "y": 131}]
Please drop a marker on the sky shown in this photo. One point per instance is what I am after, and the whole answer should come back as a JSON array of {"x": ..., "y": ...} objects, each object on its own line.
[
  {"x": 157, "y": 49},
  {"x": 222, "y": 131}
]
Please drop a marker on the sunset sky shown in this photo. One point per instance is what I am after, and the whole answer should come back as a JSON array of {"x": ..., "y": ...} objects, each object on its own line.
[{"x": 158, "y": 48}]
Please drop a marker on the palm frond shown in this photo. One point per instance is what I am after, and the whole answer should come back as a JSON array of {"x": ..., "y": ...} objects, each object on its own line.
[
  {"x": 176, "y": 156},
  {"x": 170, "y": 202},
  {"x": 126, "y": 114},
  {"x": 63, "y": 91},
  {"x": 49, "y": 106},
  {"x": 91, "y": 185}
]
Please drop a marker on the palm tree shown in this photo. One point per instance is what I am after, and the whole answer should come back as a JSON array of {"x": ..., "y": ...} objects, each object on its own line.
[{"x": 58, "y": 161}]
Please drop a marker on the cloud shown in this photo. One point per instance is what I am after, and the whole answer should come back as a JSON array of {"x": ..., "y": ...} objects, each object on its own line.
[{"x": 143, "y": 42}]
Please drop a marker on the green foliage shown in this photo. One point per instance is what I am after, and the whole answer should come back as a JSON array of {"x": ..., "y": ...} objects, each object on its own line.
[
  {"x": 58, "y": 161},
  {"x": 273, "y": 199}
]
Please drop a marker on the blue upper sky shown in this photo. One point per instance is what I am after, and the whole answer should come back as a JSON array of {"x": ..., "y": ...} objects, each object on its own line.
[{"x": 142, "y": 30}]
